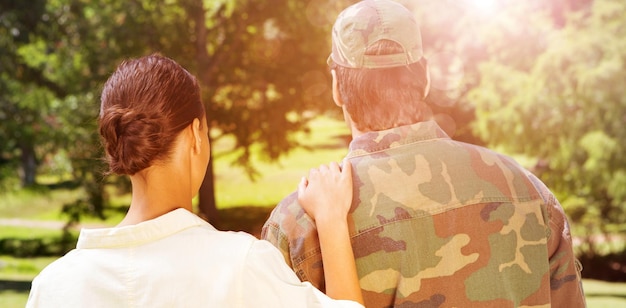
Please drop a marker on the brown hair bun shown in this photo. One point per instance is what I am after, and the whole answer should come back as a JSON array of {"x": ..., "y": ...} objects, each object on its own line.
[{"x": 145, "y": 104}]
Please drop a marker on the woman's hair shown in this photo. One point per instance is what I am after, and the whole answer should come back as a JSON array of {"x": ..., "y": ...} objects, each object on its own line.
[
  {"x": 145, "y": 104},
  {"x": 379, "y": 99}
]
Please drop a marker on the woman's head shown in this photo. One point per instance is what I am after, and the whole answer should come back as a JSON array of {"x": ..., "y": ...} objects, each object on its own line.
[{"x": 145, "y": 104}]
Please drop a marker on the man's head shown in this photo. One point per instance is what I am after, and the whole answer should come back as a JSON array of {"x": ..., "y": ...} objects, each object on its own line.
[{"x": 379, "y": 69}]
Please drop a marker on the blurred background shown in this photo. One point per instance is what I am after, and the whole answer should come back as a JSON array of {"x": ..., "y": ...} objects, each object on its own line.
[{"x": 541, "y": 80}]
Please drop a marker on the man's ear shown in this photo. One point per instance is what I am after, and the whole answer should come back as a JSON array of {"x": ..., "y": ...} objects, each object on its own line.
[{"x": 336, "y": 96}]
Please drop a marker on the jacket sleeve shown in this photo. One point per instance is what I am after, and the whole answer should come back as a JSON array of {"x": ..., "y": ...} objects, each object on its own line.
[
  {"x": 565, "y": 270},
  {"x": 272, "y": 233},
  {"x": 294, "y": 233}
]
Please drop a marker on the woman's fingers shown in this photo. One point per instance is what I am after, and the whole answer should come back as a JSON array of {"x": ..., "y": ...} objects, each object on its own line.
[
  {"x": 346, "y": 169},
  {"x": 302, "y": 186}
]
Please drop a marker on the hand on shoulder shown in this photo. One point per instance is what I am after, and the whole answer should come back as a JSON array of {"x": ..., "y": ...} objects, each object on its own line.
[{"x": 326, "y": 195}]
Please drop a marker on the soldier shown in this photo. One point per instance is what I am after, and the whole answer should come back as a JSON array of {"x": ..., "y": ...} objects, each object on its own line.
[{"x": 434, "y": 222}]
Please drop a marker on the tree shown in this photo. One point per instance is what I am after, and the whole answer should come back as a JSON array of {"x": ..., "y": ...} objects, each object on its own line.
[
  {"x": 262, "y": 67},
  {"x": 26, "y": 89},
  {"x": 567, "y": 110},
  {"x": 261, "y": 64}
]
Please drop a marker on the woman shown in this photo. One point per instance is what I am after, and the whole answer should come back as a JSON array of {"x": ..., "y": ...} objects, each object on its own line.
[{"x": 154, "y": 129}]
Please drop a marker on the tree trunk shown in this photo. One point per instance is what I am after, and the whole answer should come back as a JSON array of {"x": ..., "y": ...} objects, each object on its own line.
[
  {"x": 206, "y": 202},
  {"x": 206, "y": 205},
  {"x": 29, "y": 164}
]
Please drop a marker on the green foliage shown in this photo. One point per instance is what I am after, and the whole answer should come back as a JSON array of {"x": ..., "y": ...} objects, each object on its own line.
[
  {"x": 567, "y": 109},
  {"x": 24, "y": 114},
  {"x": 267, "y": 67},
  {"x": 260, "y": 63}
]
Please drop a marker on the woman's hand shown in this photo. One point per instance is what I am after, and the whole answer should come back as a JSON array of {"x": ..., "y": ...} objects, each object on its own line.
[{"x": 327, "y": 194}]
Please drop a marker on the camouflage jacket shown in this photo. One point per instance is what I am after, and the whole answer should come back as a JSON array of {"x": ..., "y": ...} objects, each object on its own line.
[{"x": 440, "y": 223}]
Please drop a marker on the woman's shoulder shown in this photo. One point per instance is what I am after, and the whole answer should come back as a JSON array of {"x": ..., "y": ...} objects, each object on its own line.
[{"x": 60, "y": 267}]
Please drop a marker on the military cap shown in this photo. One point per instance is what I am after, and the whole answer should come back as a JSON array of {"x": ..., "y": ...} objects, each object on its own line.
[{"x": 369, "y": 21}]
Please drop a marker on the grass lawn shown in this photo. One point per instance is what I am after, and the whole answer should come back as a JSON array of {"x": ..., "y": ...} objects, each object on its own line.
[
  {"x": 602, "y": 294},
  {"x": 277, "y": 179}
]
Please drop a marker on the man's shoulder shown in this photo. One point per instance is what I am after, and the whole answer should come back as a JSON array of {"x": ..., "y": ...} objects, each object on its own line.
[
  {"x": 480, "y": 149},
  {"x": 288, "y": 206},
  {"x": 292, "y": 231},
  {"x": 287, "y": 216},
  {"x": 480, "y": 155}
]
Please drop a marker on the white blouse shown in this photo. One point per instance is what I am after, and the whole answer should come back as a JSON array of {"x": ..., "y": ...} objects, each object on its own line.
[{"x": 175, "y": 260}]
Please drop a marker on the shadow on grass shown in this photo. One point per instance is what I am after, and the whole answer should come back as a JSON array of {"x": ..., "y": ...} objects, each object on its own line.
[
  {"x": 64, "y": 185},
  {"x": 15, "y": 285},
  {"x": 249, "y": 219},
  {"x": 609, "y": 267},
  {"x": 37, "y": 247}
]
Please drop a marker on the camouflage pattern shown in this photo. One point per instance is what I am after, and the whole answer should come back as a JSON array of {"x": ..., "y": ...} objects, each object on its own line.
[
  {"x": 369, "y": 21},
  {"x": 440, "y": 223}
]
